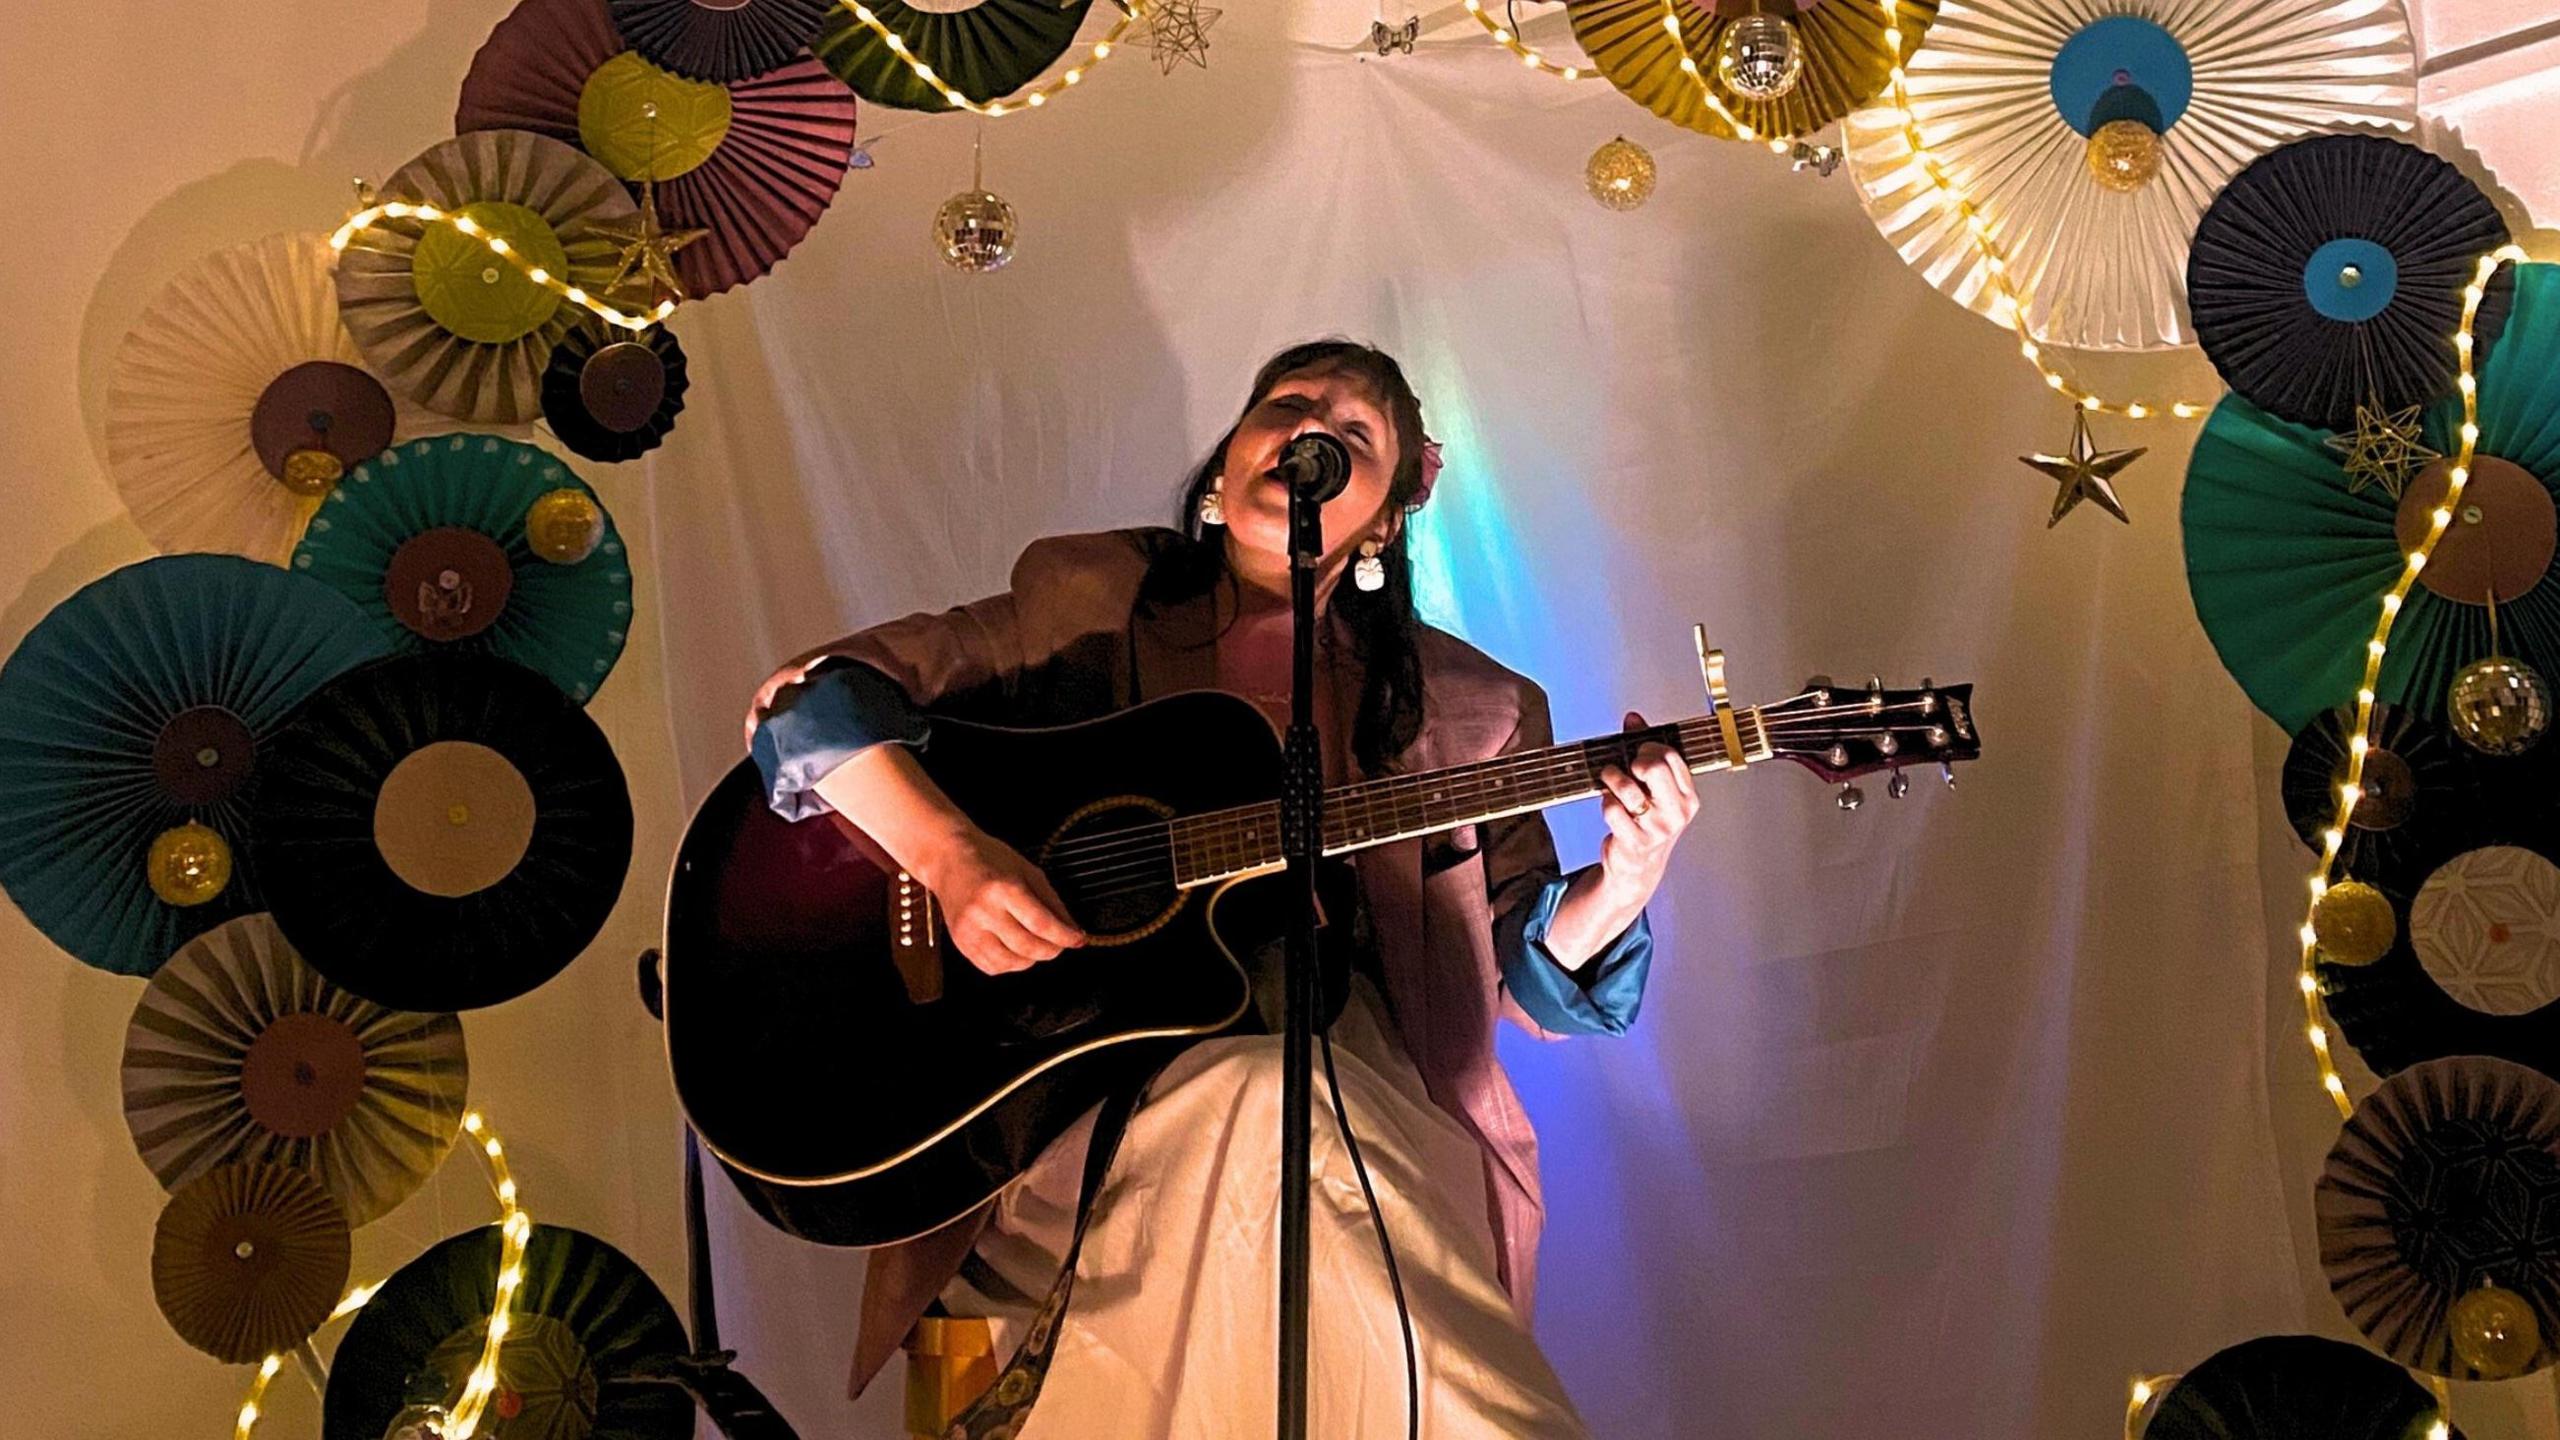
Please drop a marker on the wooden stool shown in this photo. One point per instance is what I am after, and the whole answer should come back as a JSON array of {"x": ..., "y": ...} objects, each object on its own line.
[{"x": 951, "y": 1360}]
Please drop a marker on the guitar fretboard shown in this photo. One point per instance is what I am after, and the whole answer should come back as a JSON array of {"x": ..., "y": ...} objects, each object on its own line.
[{"x": 1217, "y": 844}]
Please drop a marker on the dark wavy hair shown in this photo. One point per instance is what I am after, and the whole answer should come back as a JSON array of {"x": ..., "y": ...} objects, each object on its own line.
[{"x": 1384, "y": 630}]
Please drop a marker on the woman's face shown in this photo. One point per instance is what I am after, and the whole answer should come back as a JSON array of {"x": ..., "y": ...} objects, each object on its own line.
[{"x": 1340, "y": 404}]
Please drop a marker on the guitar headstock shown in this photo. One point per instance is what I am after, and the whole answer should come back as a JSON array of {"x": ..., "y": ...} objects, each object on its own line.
[{"x": 1843, "y": 732}]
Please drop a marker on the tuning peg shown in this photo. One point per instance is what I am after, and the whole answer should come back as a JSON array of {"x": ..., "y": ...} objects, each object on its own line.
[
  {"x": 1947, "y": 771},
  {"x": 1820, "y": 688},
  {"x": 1851, "y": 797},
  {"x": 1899, "y": 785}
]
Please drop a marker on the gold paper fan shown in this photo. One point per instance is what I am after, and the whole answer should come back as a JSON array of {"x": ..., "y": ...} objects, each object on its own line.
[
  {"x": 241, "y": 1051},
  {"x": 238, "y": 398},
  {"x": 249, "y": 1260},
  {"x": 1846, "y": 59},
  {"x": 454, "y": 327}
]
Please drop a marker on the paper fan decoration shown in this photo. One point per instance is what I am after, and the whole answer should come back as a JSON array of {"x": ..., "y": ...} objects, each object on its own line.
[
  {"x": 985, "y": 50},
  {"x": 238, "y": 400},
  {"x": 248, "y": 1260},
  {"x": 429, "y": 541},
  {"x": 142, "y": 705},
  {"x": 2445, "y": 1179},
  {"x": 240, "y": 1051},
  {"x": 2287, "y": 567},
  {"x": 2328, "y": 275},
  {"x": 584, "y": 1320},
  {"x": 460, "y": 330},
  {"x": 2472, "y": 970},
  {"x": 444, "y": 831},
  {"x": 1842, "y": 42},
  {"x": 2421, "y": 794},
  {"x": 2009, "y": 93},
  {"x": 612, "y": 396},
  {"x": 755, "y": 162},
  {"x": 2295, "y": 1387},
  {"x": 720, "y": 40}
]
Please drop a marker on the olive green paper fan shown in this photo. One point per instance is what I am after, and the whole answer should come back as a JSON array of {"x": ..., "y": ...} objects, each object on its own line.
[
  {"x": 985, "y": 51},
  {"x": 2288, "y": 569}
]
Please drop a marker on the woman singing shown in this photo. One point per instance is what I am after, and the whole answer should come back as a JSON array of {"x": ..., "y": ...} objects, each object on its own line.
[{"x": 1171, "y": 1330}]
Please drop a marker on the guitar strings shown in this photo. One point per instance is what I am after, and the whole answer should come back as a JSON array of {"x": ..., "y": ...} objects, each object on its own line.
[{"x": 1110, "y": 853}]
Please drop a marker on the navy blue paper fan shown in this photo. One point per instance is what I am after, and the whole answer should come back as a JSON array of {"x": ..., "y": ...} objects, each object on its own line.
[
  {"x": 2329, "y": 274},
  {"x": 147, "y": 700}
]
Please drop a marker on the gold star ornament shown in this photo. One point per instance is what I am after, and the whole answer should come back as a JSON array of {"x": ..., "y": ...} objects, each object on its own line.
[
  {"x": 1178, "y": 30},
  {"x": 2084, "y": 472},
  {"x": 648, "y": 249},
  {"x": 2383, "y": 450}
]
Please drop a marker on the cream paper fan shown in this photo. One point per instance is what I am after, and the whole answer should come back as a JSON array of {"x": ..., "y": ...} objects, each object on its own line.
[
  {"x": 2004, "y": 92},
  {"x": 239, "y": 352}
]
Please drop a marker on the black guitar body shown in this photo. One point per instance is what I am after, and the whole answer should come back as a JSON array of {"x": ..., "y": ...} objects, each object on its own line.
[{"x": 857, "y": 1077}]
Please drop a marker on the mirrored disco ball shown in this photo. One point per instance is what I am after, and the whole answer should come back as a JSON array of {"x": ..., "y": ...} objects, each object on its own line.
[
  {"x": 976, "y": 231},
  {"x": 1759, "y": 57}
]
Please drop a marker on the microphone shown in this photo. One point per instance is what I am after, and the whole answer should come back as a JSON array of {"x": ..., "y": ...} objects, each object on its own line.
[{"x": 1315, "y": 464}]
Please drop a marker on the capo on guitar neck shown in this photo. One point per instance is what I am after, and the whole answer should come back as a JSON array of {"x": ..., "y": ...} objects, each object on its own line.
[{"x": 1719, "y": 703}]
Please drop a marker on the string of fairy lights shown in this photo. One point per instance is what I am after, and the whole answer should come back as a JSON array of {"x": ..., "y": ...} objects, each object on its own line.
[
  {"x": 498, "y": 246},
  {"x": 2351, "y": 789},
  {"x": 515, "y": 1232}
]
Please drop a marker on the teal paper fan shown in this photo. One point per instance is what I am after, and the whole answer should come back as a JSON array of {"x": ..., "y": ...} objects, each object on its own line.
[
  {"x": 139, "y": 705},
  {"x": 2288, "y": 567},
  {"x": 429, "y": 540}
]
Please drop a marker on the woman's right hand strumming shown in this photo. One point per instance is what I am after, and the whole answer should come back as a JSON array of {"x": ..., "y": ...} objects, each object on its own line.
[{"x": 1001, "y": 911}]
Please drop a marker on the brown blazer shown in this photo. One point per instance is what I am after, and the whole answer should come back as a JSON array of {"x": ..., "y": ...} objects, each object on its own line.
[{"x": 1065, "y": 643}]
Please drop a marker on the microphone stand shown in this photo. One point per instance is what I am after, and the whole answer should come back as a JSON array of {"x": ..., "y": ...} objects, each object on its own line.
[{"x": 1301, "y": 840}]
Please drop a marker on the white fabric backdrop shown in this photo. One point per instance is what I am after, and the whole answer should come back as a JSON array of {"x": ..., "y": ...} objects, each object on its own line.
[{"x": 1942, "y": 1119}]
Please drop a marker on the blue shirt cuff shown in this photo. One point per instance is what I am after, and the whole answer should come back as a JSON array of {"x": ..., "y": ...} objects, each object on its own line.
[
  {"x": 840, "y": 710},
  {"x": 1601, "y": 998}
]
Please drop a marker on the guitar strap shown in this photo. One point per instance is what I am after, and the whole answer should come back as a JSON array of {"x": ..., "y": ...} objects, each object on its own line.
[{"x": 1007, "y": 1403}]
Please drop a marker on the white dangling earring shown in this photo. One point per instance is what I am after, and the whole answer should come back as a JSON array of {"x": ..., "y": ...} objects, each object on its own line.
[
  {"x": 1213, "y": 505},
  {"x": 1369, "y": 572}
]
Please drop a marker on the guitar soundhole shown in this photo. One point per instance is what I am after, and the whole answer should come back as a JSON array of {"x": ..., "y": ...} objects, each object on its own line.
[{"x": 1112, "y": 862}]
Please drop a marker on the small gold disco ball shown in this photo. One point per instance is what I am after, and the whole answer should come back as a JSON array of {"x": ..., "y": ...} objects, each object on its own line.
[
  {"x": 2124, "y": 155},
  {"x": 2499, "y": 706},
  {"x": 2353, "y": 923},
  {"x": 189, "y": 864},
  {"x": 976, "y": 231},
  {"x": 564, "y": 526},
  {"x": 1760, "y": 58},
  {"x": 2495, "y": 1332},
  {"x": 312, "y": 473},
  {"x": 1620, "y": 174}
]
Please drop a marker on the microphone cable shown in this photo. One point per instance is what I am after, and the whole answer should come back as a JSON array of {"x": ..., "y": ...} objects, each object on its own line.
[{"x": 1386, "y": 1247}]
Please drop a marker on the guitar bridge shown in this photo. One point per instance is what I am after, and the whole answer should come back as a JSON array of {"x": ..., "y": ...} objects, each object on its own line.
[{"x": 917, "y": 954}]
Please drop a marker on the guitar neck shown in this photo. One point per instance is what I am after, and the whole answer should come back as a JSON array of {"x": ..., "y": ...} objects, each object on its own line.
[{"x": 1243, "y": 840}]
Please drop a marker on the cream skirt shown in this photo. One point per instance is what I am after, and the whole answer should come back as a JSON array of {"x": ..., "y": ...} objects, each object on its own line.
[{"x": 1172, "y": 1327}]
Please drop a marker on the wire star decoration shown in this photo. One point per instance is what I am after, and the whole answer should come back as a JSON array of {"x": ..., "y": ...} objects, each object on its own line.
[
  {"x": 2383, "y": 450},
  {"x": 2084, "y": 472},
  {"x": 648, "y": 249},
  {"x": 1178, "y": 30}
]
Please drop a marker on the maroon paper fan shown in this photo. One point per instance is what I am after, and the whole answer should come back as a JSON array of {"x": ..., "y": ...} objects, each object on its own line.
[
  {"x": 723, "y": 40},
  {"x": 774, "y": 169}
]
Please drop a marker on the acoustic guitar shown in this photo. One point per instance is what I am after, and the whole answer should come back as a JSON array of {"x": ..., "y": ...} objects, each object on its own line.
[{"x": 863, "y": 1083}]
